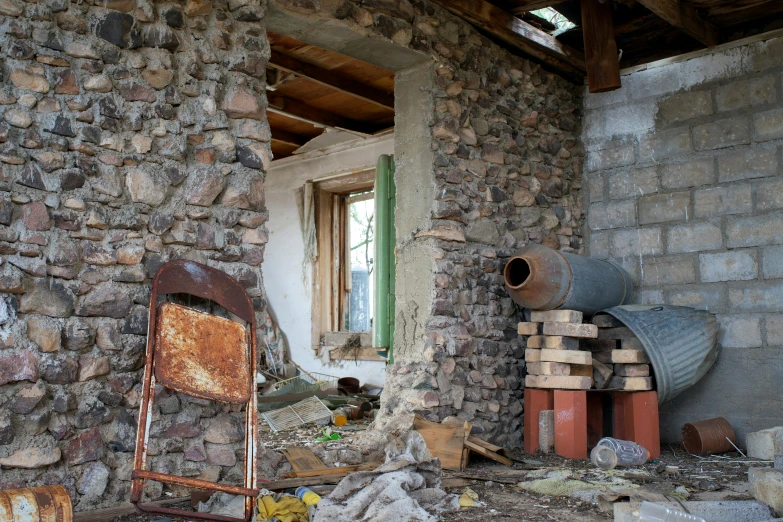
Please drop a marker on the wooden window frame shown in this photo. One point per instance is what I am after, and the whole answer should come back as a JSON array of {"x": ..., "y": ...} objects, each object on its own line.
[{"x": 330, "y": 284}]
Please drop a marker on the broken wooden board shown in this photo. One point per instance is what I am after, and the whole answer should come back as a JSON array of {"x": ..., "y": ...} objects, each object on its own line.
[
  {"x": 622, "y": 357},
  {"x": 557, "y": 382},
  {"x": 631, "y": 344},
  {"x": 472, "y": 443},
  {"x": 556, "y": 316},
  {"x": 602, "y": 373},
  {"x": 303, "y": 459},
  {"x": 586, "y": 331},
  {"x": 338, "y": 471},
  {"x": 601, "y": 345},
  {"x": 561, "y": 369},
  {"x": 553, "y": 342},
  {"x": 631, "y": 383},
  {"x": 632, "y": 370},
  {"x": 528, "y": 328},
  {"x": 566, "y": 356},
  {"x": 615, "y": 333},
  {"x": 445, "y": 442}
]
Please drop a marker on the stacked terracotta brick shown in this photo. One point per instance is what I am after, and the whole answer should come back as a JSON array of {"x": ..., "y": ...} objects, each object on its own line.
[{"x": 563, "y": 353}]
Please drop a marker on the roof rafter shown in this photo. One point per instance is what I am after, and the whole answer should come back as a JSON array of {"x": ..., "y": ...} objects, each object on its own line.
[
  {"x": 518, "y": 33},
  {"x": 320, "y": 118},
  {"x": 682, "y": 15},
  {"x": 331, "y": 79},
  {"x": 524, "y": 6},
  {"x": 289, "y": 138}
]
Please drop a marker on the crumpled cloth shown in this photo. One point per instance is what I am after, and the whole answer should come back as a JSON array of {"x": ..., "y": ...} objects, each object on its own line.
[
  {"x": 284, "y": 509},
  {"x": 404, "y": 489}
]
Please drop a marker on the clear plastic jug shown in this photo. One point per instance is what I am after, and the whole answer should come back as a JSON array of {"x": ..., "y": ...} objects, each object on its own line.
[
  {"x": 610, "y": 453},
  {"x": 651, "y": 512}
]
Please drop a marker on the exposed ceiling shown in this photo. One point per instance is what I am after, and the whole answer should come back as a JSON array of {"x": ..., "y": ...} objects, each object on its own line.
[
  {"x": 310, "y": 89},
  {"x": 644, "y": 30}
]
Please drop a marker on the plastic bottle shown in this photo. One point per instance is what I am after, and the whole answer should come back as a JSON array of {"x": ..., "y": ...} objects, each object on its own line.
[
  {"x": 651, "y": 512},
  {"x": 610, "y": 453},
  {"x": 339, "y": 418},
  {"x": 308, "y": 496}
]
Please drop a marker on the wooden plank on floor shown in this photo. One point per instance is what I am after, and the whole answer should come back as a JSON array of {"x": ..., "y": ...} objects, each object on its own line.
[
  {"x": 103, "y": 515},
  {"x": 303, "y": 459}
]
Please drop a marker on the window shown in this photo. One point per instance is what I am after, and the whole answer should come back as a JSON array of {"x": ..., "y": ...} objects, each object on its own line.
[{"x": 342, "y": 274}]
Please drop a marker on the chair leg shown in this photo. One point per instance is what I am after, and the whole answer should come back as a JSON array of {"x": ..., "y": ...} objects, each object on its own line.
[
  {"x": 571, "y": 424},
  {"x": 536, "y": 401}
]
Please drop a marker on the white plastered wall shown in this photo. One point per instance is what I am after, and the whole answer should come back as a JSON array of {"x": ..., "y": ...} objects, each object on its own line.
[{"x": 288, "y": 291}]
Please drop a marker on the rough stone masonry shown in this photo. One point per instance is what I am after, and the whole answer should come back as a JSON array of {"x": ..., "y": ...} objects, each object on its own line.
[
  {"x": 131, "y": 133},
  {"x": 134, "y": 132},
  {"x": 488, "y": 158},
  {"x": 685, "y": 191}
]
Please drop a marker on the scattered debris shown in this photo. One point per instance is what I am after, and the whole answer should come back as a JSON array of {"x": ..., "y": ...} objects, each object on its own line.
[
  {"x": 765, "y": 444},
  {"x": 303, "y": 412},
  {"x": 405, "y": 488},
  {"x": 452, "y": 443}
]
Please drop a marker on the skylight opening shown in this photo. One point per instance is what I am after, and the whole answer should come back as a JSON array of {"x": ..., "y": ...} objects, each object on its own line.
[{"x": 562, "y": 23}]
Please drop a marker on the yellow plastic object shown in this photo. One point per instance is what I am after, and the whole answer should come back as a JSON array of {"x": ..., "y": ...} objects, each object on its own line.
[
  {"x": 339, "y": 418},
  {"x": 308, "y": 496},
  {"x": 468, "y": 498},
  {"x": 286, "y": 509}
]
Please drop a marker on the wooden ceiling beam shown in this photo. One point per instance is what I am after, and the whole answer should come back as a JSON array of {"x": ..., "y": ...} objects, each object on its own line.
[
  {"x": 603, "y": 63},
  {"x": 519, "y": 34},
  {"x": 682, "y": 15},
  {"x": 289, "y": 138},
  {"x": 302, "y": 112},
  {"x": 331, "y": 79},
  {"x": 524, "y": 6}
]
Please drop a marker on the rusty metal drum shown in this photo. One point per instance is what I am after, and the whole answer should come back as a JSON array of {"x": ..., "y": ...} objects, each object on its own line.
[{"x": 43, "y": 504}]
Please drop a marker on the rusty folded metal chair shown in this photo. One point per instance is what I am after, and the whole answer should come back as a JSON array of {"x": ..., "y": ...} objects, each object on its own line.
[{"x": 204, "y": 356}]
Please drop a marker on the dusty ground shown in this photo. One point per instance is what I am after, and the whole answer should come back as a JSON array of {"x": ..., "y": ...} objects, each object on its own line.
[{"x": 704, "y": 478}]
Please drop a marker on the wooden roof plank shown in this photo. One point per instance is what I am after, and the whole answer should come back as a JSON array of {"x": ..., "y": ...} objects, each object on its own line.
[
  {"x": 682, "y": 15},
  {"x": 518, "y": 33},
  {"x": 307, "y": 113},
  {"x": 289, "y": 138},
  {"x": 331, "y": 79},
  {"x": 524, "y": 6}
]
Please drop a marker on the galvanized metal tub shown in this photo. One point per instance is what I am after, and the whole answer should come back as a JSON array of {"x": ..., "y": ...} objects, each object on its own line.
[
  {"x": 681, "y": 343},
  {"x": 43, "y": 504},
  {"x": 540, "y": 278}
]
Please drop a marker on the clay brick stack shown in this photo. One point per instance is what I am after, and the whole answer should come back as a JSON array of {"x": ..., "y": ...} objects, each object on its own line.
[
  {"x": 619, "y": 360},
  {"x": 563, "y": 353},
  {"x": 553, "y": 355}
]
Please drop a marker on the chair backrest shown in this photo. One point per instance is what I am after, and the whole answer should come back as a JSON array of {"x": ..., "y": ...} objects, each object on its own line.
[
  {"x": 197, "y": 353},
  {"x": 188, "y": 277}
]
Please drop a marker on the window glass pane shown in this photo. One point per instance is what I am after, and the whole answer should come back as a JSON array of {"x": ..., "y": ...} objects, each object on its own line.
[{"x": 362, "y": 250}]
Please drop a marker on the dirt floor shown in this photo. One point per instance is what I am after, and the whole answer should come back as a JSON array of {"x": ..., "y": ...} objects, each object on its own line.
[{"x": 687, "y": 477}]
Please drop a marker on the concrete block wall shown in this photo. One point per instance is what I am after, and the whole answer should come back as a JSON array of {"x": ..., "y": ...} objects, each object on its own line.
[{"x": 684, "y": 189}]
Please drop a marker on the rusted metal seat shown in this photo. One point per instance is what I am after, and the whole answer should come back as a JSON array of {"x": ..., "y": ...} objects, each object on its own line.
[{"x": 201, "y": 355}]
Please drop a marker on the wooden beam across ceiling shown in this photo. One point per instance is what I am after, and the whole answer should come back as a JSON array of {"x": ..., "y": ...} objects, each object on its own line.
[
  {"x": 331, "y": 79},
  {"x": 603, "y": 62},
  {"x": 519, "y": 34},
  {"x": 682, "y": 15},
  {"x": 524, "y": 6},
  {"x": 301, "y": 111},
  {"x": 289, "y": 138}
]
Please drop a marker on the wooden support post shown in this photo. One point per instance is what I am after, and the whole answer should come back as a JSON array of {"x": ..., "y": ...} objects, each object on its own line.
[{"x": 601, "y": 58}]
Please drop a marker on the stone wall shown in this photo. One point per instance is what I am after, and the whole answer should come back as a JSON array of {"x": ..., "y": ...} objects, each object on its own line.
[
  {"x": 132, "y": 133},
  {"x": 495, "y": 148},
  {"x": 685, "y": 191}
]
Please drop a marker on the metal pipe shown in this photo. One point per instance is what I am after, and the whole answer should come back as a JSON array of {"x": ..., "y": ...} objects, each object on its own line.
[{"x": 540, "y": 278}]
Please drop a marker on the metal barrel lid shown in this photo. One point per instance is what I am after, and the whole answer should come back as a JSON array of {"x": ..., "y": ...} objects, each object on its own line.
[{"x": 681, "y": 343}]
